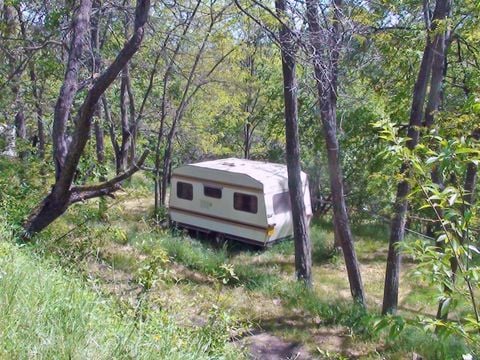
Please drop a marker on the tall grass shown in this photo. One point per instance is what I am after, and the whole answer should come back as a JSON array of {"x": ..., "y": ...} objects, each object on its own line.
[{"x": 46, "y": 313}]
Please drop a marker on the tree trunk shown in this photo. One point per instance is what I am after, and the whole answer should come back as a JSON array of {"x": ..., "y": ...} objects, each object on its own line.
[
  {"x": 163, "y": 111},
  {"x": 63, "y": 194},
  {"x": 303, "y": 247},
  {"x": 246, "y": 141},
  {"x": 326, "y": 74},
  {"x": 70, "y": 84},
  {"x": 20, "y": 126},
  {"x": 11, "y": 140},
  {"x": 397, "y": 226},
  {"x": 471, "y": 177},
  {"x": 37, "y": 95},
  {"x": 95, "y": 67},
  {"x": 122, "y": 162}
]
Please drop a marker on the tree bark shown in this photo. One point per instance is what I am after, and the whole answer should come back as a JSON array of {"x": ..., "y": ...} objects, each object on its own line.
[
  {"x": 95, "y": 67},
  {"x": 70, "y": 85},
  {"x": 37, "y": 95},
  {"x": 471, "y": 177},
  {"x": 122, "y": 162},
  {"x": 20, "y": 126},
  {"x": 397, "y": 226},
  {"x": 63, "y": 194},
  {"x": 303, "y": 247},
  {"x": 325, "y": 62}
]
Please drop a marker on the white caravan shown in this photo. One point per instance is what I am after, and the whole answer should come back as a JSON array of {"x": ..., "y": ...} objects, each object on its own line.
[{"x": 233, "y": 198}]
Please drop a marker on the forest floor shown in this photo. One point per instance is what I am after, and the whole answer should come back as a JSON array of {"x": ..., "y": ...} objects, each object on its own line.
[
  {"x": 271, "y": 316},
  {"x": 194, "y": 281}
]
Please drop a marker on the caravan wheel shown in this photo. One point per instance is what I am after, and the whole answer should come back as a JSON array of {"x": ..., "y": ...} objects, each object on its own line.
[{"x": 219, "y": 239}]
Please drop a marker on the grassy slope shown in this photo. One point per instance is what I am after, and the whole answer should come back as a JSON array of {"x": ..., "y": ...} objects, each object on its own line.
[{"x": 47, "y": 313}]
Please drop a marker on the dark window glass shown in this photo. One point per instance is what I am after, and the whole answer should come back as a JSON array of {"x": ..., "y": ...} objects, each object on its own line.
[
  {"x": 245, "y": 202},
  {"x": 281, "y": 203},
  {"x": 214, "y": 192},
  {"x": 184, "y": 191}
]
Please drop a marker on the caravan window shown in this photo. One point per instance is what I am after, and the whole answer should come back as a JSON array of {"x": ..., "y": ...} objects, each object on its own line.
[
  {"x": 212, "y": 191},
  {"x": 245, "y": 202},
  {"x": 184, "y": 190},
  {"x": 281, "y": 203}
]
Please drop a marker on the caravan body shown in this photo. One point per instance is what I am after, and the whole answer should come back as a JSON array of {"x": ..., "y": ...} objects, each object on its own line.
[{"x": 240, "y": 199}]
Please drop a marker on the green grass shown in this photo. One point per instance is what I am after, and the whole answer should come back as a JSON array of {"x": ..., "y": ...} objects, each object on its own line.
[
  {"x": 430, "y": 346},
  {"x": 48, "y": 313}
]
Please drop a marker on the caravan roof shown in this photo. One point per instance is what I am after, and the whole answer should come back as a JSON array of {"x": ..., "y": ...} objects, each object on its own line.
[{"x": 273, "y": 175}]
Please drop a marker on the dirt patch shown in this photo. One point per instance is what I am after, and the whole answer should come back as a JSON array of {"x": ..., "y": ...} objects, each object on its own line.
[
  {"x": 265, "y": 346},
  {"x": 338, "y": 340},
  {"x": 183, "y": 273},
  {"x": 114, "y": 281}
]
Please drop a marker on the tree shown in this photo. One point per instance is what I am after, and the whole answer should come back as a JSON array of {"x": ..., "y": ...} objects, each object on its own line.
[
  {"x": 325, "y": 62},
  {"x": 303, "y": 247},
  {"x": 67, "y": 154},
  {"x": 397, "y": 227}
]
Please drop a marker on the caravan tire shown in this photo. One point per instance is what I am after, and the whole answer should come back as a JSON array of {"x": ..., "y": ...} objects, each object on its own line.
[{"x": 219, "y": 239}]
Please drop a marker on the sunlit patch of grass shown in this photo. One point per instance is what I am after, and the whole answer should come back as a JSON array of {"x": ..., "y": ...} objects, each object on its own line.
[
  {"x": 373, "y": 231},
  {"x": 426, "y": 344},
  {"x": 46, "y": 313},
  {"x": 322, "y": 245},
  {"x": 121, "y": 260}
]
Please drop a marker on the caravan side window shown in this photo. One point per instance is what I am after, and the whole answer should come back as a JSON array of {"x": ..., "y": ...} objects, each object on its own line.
[
  {"x": 281, "y": 203},
  {"x": 245, "y": 202},
  {"x": 212, "y": 191},
  {"x": 184, "y": 190}
]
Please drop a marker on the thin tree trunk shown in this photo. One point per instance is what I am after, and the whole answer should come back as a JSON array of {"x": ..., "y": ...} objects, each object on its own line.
[
  {"x": 397, "y": 226},
  {"x": 303, "y": 247},
  {"x": 111, "y": 128},
  {"x": 96, "y": 63},
  {"x": 122, "y": 162},
  {"x": 20, "y": 126},
  {"x": 326, "y": 74},
  {"x": 39, "y": 112},
  {"x": 471, "y": 177}
]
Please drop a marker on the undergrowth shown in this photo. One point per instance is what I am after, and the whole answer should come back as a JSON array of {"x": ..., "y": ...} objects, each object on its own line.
[{"x": 48, "y": 311}]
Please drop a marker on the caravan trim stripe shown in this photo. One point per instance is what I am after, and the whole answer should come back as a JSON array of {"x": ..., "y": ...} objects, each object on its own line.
[{"x": 218, "y": 218}]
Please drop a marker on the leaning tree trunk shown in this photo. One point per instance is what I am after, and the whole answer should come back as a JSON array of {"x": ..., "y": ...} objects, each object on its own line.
[
  {"x": 63, "y": 193},
  {"x": 326, "y": 75},
  {"x": 69, "y": 88},
  {"x": 303, "y": 247},
  {"x": 397, "y": 226}
]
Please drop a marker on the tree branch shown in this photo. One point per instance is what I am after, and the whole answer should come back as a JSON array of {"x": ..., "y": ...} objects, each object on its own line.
[{"x": 112, "y": 183}]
